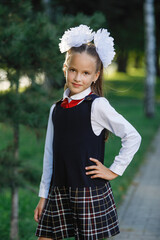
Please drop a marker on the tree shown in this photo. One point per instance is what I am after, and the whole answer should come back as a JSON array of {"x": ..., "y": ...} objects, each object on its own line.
[
  {"x": 150, "y": 57},
  {"x": 23, "y": 51},
  {"x": 157, "y": 30}
]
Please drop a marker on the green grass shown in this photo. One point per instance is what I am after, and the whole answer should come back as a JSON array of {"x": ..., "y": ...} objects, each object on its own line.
[
  {"x": 130, "y": 85},
  {"x": 125, "y": 93},
  {"x": 147, "y": 128}
]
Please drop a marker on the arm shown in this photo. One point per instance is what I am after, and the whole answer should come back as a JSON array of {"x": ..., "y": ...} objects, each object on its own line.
[
  {"x": 47, "y": 169},
  {"x": 103, "y": 115},
  {"x": 47, "y": 159}
]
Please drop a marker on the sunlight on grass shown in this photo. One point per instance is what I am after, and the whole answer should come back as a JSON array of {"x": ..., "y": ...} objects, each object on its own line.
[
  {"x": 130, "y": 84},
  {"x": 137, "y": 72},
  {"x": 133, "y": 73}
]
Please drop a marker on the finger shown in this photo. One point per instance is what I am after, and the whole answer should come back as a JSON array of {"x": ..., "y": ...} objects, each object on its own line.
[
  {"x": 91, "y": 172},
  {"x": 94, "y": 160},
  {"x": 40, "y": 213},
  {"x": 91, "y": 167},
  {"x": 36, "y": 217},
  {"x": 96, "y": 176}
]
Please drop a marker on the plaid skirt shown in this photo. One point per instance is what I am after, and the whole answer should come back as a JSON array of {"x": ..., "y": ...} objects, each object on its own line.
[{"x": 87, "y": 213}]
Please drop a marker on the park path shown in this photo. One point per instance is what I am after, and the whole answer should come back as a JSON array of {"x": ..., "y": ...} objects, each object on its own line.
[{"x": 139, "y": 214}]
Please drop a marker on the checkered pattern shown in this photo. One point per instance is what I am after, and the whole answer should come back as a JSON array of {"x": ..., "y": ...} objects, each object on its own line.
[{"x": 87, "y": 213}]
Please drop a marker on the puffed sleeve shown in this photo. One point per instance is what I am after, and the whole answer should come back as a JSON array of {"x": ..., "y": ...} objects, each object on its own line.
[
  {"x": 105, "y": 116},
  {"x": 47, "y": 158}
]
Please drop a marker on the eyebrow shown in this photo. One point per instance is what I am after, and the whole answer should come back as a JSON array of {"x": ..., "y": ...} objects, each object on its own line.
[{"x": 72, "y": 67}]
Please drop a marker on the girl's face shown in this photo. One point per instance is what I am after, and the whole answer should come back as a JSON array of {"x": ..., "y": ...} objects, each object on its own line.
[{"x": 80, "y": 72}]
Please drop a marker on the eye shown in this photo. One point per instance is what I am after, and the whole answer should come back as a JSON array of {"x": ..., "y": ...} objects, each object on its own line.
[
  {"x": 86, "y": 73},
  {"x": 72, "y": 70}
]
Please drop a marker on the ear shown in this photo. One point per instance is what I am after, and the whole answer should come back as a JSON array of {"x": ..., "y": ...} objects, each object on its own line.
[
  {"x": 64, "y": 69},
  {"x": 97, "y": 75}
]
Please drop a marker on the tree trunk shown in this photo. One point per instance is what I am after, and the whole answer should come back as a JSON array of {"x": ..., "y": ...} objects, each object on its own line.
[
  {"x": 150, "y": 57},
  {"x": 49, "y": 81},
  {"x": 14, "y": 214},
  {"x": 137, "y": 62},
  {"x": 14, "y": 232},
  {"x": 157, "y": 19},
  {"x": 122, "y": 59},
  {"x": 157, "y": 57},
  {"x": 47, "y": 7}
]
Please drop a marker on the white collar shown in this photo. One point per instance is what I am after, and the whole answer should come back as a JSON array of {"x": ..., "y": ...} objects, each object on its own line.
[{"x": 76, "y": 96}]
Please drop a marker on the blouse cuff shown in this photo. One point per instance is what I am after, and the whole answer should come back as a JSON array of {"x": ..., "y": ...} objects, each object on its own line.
[
  {"x": 43, "y": 193},
  {"x": 117, "y": 169}
]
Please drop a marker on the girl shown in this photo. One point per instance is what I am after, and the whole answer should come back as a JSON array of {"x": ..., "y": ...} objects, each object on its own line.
[{"x": 76, "y": 198}]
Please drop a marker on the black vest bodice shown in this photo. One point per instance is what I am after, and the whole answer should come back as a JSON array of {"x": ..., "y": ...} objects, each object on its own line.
[{"x": 74, "y": 142}]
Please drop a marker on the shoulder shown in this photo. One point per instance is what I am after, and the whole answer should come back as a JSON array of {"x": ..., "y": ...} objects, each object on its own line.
[
  {"x": 99, "y": 99},
  {"x": 100, "y": 104},
  {"x": 96, "y": 99},
  {"x": 52, "y": 108},
  {"x": 55, "y": 104}
]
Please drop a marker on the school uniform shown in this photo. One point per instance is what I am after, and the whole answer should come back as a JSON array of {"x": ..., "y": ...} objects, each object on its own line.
[{"x": 77, "y": 205}]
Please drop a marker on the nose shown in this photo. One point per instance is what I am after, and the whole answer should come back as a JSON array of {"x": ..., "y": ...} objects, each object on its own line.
[{"x": 78, "y": 77}]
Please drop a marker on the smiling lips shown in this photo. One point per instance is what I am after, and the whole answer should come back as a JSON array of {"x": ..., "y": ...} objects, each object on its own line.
[{"x": 76, "y": 85}]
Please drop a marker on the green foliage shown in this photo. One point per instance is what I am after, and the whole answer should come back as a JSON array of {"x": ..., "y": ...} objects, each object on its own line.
[
  {"x": 15, "y": 172},
  {"x": 35, "y": 106},
  {"x": 30, "y": 107},
  {"x": 123, "y": 21},
  {"x": 37, "y": 46},
  {"x": 95, "y": 21},
  {"x": 5, "y": 203},
  {"x": 28, "y": 47},
  {"x": 8, "y": 107},
  {"x": 8, "y": 168},
  {"x": 29, "y": 42}
]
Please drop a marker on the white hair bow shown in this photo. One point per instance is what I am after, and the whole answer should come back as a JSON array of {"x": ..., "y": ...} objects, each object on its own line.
[
  {"x": 104, "y": 46},
  {"x": 75, "y": 37}
]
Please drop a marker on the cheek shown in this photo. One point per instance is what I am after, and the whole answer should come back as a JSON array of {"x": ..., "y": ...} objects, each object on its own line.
[
  {"x": 91, "y": 77},
  {"x": 70, "y": 74},
  {"x": 94, "y": 77},
  {"x": 88, "y": 80}
]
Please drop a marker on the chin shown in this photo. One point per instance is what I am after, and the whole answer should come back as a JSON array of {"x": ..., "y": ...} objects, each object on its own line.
[{"x": 75, "y": 91}]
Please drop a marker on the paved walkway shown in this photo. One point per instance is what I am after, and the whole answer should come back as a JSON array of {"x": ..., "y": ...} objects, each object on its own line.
[{"x": 139, "y": 215}]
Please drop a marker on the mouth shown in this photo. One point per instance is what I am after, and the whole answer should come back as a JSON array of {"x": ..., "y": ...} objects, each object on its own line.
[{"x": 76, "y": 85}]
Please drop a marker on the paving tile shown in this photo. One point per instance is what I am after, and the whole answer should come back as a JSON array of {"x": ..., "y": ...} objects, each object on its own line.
[{"x": 139, "y": 214}]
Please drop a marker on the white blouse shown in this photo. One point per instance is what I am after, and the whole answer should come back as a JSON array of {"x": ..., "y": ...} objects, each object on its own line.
[{"x": 103, "y": 115}]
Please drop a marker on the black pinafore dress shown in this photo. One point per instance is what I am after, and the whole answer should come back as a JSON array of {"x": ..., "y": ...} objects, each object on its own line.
[{"x": 77, "y": 205}]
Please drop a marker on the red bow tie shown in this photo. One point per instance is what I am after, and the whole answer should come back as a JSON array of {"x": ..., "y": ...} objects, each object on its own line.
[{"x": 66, "y": 104}]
